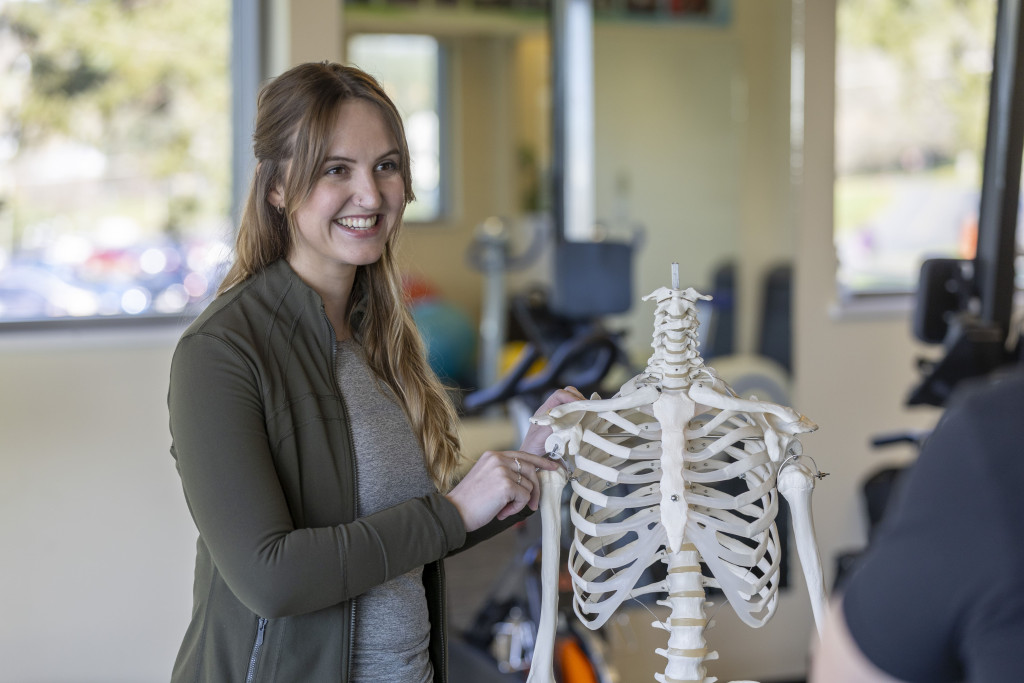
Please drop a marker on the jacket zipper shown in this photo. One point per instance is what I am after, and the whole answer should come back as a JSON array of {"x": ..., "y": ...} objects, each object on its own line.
[
  {"x": 250, "y": 675},
  {"x": 444, "y": 624},
  {"x": 332, "y": 337},
  {"x": 355, "y": 513}
]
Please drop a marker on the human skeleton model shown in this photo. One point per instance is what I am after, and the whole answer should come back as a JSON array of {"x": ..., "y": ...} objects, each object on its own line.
[{"x": 676, "y": 437}]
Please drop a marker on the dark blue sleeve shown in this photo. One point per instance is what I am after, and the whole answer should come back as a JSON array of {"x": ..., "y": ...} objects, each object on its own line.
[{"x": 937, "y": 596}]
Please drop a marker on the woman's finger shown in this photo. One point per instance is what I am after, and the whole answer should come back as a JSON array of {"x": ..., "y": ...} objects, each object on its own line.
[
  {"x": 522, "y": 473},
  {"x": 519, "y": 497},
  {"x": 558, "y": 397},
  {"x": 529, "y": 478},
  {"x": 536, "y": 435},
  {"x": 529, "y": 461}
]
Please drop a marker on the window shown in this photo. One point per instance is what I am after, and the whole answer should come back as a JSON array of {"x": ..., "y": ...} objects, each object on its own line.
[
  {"x": 114, "y": 157},
  {"x": 912, "y": 92},
  {"x": 409, "y": 68}
]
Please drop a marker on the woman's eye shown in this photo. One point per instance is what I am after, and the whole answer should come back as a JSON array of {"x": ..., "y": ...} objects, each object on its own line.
[
  {"x": 336, "y": 170},
  {"x": 387, "y": 166}
]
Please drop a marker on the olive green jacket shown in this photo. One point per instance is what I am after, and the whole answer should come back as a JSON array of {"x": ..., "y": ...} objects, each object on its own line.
[{"x": 261, "y": 439}]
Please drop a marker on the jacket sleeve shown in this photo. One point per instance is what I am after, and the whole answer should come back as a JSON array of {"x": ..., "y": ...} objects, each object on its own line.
[
  {"x": 222, "y": 452},
  {"x": 491, "y": 529}
]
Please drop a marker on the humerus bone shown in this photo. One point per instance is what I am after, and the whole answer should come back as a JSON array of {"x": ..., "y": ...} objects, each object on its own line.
[
  {"x": 656, "y": 470},
  {"x": 551, "y": 484},
  {"x": 796, "y": 484}
]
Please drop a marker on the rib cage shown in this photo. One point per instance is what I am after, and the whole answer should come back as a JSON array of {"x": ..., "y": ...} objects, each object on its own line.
[
  {"x": 618, "y": 537},
  {"x": 729, "y": 444}
]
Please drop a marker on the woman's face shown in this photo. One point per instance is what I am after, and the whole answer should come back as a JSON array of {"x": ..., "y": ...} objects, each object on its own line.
[{"x": 357, "y": 199}]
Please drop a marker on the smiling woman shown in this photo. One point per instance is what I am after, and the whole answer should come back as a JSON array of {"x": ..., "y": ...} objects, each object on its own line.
[{"x": 317, "y": 451}]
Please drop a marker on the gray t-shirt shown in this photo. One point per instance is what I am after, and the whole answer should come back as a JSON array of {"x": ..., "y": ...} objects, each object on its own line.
[{"x": 392, "y": 626}]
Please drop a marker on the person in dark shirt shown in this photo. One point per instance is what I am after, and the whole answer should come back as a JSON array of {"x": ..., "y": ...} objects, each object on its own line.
[{"x": 939, "y": 594}]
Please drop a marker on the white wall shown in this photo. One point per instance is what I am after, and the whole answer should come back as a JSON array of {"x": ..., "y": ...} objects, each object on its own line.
[
  {"x": 692, "y": 131},
  {"x": 96, "y": 545}
]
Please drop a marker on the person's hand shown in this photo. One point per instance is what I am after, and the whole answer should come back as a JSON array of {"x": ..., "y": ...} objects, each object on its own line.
[
  {"x": 500, "y": 484},
  {"x": 537, "y": 434}
]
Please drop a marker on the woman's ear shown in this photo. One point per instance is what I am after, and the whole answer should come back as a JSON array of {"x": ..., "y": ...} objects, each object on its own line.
[{"x": 276, "y": 198}]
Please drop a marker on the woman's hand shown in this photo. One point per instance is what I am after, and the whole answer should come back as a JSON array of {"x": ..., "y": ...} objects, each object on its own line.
[
  {"x": 537, "y": 435},
  {"x": 500, "y": 484}
]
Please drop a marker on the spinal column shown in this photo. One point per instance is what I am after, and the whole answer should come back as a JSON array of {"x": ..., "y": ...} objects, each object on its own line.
[{"x": 676, "y": 468}]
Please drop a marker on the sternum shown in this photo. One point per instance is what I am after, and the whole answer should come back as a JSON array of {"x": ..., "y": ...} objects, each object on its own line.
[{"x": 673, "y": 410}]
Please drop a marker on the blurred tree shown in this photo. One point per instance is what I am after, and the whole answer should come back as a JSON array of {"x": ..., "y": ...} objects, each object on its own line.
[
  {"x": 144, "y": 82},
  {"x": 941, "y": 53}
]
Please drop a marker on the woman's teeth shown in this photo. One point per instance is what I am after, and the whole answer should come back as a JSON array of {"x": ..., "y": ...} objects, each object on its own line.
[{"x": 357, "y": 223}]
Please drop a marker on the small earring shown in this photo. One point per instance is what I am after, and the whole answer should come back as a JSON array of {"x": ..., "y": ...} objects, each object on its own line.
[{"x": 280, "y": 210}]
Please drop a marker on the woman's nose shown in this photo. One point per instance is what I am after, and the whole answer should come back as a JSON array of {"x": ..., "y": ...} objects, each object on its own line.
[{"x": 367, "y": 193}]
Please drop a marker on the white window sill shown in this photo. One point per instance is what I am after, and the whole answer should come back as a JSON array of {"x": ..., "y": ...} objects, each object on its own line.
[
  {"x": 872, "y": 307},
  {"x": 59, "y": 335}
]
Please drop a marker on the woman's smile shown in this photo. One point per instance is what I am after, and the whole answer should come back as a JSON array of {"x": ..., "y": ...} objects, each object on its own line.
[{"x": 357, "y": 222}]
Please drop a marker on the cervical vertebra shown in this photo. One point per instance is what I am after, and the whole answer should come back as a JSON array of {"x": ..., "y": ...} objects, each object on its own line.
[{"x": 657, "y": 468}]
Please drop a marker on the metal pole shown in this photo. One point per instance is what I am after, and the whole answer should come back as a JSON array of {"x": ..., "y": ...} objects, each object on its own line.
[
  {"x": 1000, "y": 189},
  {"x": 493, "y": 236},
  {"x": 572, "y": 40},
  {"x": 246, "y": 72}
]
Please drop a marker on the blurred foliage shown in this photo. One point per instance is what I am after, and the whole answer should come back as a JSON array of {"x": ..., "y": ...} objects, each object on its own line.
[
  {"x": 145, "y": 82},
  {"x": 942, "y": 50},
  {"x": 912, "y": 97},
  {"x": 899, "y": 26}
]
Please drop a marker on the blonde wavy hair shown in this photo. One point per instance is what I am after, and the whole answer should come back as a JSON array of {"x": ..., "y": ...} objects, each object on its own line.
[{"x": 295, "y": 117}]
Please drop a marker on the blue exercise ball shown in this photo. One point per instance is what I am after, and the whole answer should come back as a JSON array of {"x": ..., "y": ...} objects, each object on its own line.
[{"x": 450, "y": 340}]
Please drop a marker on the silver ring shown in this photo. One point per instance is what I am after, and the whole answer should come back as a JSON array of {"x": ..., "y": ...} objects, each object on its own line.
[
  {"x": 519, "y": 466},
  {"x": 519, "y": 480}
]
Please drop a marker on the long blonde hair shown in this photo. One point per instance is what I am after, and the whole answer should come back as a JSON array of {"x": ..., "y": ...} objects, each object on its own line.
[{"x": 295, "y": 117}]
